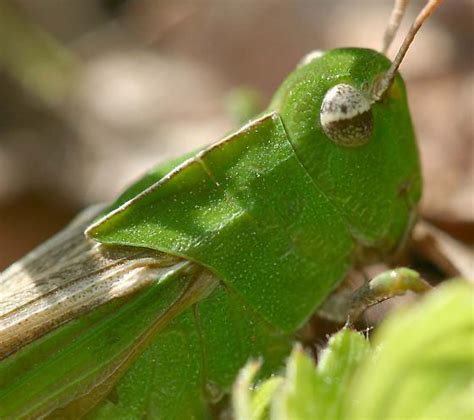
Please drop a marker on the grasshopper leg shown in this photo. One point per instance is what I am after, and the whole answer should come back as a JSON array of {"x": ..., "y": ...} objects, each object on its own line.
[
  {"x": 384, "y": 286},
  {"x": 347, "y": 306}
]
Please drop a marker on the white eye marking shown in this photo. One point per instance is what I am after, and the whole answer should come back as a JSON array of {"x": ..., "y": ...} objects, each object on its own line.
[
  {"x": 313, "y": 55},
  {"x": 346, "y": 116}
]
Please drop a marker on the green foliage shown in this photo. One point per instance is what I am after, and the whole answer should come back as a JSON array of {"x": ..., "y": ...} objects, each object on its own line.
[
  {"x": 423, "y": 363},
  {"x": 420, "y": 365},
  {"x": 306, "y": 391}
]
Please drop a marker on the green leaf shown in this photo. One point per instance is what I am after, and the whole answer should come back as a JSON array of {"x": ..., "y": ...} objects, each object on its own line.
[
  {"x": 253, "y": 402},
  {"x": 318, "y": 393},
  {"x": 307, "y": 391},
  {"x": 263, "y": 395},
  {"x": 422, "y": 365},
  {"x": 336, "y": 368}
]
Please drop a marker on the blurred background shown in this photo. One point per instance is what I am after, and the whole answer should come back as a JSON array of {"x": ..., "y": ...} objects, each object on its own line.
[{"x": 93, "y": 93}]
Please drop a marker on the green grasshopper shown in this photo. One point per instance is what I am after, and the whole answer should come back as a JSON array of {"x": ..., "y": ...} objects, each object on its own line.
[{"x": 216, "y": 257}]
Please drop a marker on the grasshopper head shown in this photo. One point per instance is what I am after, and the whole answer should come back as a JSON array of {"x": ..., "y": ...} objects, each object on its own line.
[
  {"x": 346, "y": 114},
  {"x": 360, "y": 152}
]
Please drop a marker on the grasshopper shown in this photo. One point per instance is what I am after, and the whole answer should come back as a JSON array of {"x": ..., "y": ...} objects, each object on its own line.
[{"x": 218, "y": 256}]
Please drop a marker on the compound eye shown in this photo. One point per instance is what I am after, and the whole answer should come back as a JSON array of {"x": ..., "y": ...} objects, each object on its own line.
[{"x": 346, "y": 116}]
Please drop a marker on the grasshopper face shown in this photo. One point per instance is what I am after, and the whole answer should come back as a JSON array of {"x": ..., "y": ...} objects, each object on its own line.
[{"x": 361, "y": 153}]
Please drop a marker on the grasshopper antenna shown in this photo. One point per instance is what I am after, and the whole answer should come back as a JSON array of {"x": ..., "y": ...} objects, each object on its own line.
[
  {"x": 386, "y": 81},
  {"x": 398, "y": 11}
]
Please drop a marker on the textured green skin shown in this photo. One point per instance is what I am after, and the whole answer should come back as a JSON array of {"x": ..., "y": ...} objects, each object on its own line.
[
  {"x": 251, "y": 223},
  {"x": 277, "y": 212}
]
